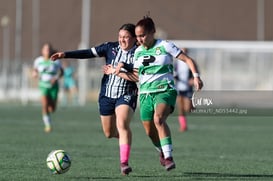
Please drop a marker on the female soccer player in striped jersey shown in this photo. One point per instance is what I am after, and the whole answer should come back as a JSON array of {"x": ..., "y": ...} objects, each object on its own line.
[
  {"x": 153, "y": 67},
  {"x": 184, "y": 86},
  {"x": 118, "y": 97},
  {"x": 49, "y": 73}
]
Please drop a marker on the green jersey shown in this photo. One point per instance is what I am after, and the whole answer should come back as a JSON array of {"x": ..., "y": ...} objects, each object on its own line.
[
  {"x": 47, "y": 70},
  {"x": 155, "y": 66}
]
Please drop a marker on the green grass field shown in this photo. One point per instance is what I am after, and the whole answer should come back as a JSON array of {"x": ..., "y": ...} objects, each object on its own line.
[{"x": 214, "y": 148}]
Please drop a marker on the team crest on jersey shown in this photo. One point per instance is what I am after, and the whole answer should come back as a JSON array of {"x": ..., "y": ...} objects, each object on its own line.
[{"x": 157, "y": 51}]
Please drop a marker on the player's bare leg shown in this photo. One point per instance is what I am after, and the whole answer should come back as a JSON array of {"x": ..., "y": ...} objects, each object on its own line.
[
  {"x": 151, "y": 131},
  {"x": 46, "y": 114},
  {"x": 161, "y": 113},
  {"x": 182, "y": 120},
  {"x": 124, "y": 114},
  {"x": 51, "y": 105},
  {"x": 109, "y": 126},
  {"x": 184, "y": 107}
]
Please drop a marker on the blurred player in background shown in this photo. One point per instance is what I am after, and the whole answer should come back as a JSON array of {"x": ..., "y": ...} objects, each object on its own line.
[
  {"x": 118, "y": 97},
  {"x": 153, "y": 67},
  {"x": 184, "y": 86},
  {"x": 49, "y": 73},
  {"x": 69, "y": 84}
]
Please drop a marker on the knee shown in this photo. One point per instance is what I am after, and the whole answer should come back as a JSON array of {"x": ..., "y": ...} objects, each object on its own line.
[
  {"x": 111, "y": 133},
  {"x": 51, "y": 108},
  {"x": 123, "y": 125},
  {"x": 108, "y": 134},
  {"x": 158, "y": 119}
]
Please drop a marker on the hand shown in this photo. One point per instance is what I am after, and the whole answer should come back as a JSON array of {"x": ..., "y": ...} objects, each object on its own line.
[
  {"x": 118, "y": 67},
  {"x": 57, "y": 55},
  {"x": 34, "y": 73},
  {"x": 108, "y": 69},
  {"x": 53, "y": 81},
  {"x": 198, "y": 83}
]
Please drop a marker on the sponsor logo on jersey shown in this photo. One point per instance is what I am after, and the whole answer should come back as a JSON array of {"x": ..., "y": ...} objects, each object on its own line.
[
  {"x": 147, "y": 59},
  {"x": 157, "y": 51}
]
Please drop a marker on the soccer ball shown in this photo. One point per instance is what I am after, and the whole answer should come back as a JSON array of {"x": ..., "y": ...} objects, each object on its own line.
[{"x": 58, "y": 161}]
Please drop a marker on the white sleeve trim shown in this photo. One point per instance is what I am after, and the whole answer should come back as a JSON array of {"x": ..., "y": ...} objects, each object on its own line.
[{"x": 94, "y": 51}]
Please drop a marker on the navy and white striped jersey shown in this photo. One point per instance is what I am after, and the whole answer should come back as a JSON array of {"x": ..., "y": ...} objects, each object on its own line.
[
  {"x": 182, "y": 74},
  {"x": 112, "y": 86}
]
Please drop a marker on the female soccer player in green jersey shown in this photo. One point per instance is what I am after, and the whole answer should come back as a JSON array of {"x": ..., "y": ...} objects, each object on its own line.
[
  {"x": 48, "y": 73},
  {"x": 153, "y": 68}
]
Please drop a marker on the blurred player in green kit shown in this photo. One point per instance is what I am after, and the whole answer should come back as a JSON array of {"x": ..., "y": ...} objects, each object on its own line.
[{"x": 49, "y": 73}]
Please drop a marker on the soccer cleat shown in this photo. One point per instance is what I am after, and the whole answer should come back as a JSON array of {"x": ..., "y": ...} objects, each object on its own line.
[
  {"x": 125, "y": 169},
  {"x": 169, "y": 164},
  {"x": 48, "y": 129},
  {"x": 161, "y": 159}
]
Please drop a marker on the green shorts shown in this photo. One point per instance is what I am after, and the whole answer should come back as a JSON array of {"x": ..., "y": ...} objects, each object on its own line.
[
  {"x": 148, "y": 103},
  {"x": 52, "y": 92}
]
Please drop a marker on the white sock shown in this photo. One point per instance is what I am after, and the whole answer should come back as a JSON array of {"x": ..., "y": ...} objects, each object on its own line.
[
  {"x": 167, "y": 150},
  {"x": 47, "y": 120}
]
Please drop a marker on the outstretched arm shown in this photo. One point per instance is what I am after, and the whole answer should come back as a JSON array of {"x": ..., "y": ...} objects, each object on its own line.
[
  {"x": 192, "y": 65},
  {"x": 58, "y": 55},
  {"x": 79, "y": 54}
]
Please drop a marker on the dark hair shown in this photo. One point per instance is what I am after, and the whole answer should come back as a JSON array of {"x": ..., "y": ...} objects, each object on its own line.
[
  {"x": 130, "y": 28},
  {"x": 51, "y": 49},
  {"x": 147, "y": 23}
]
